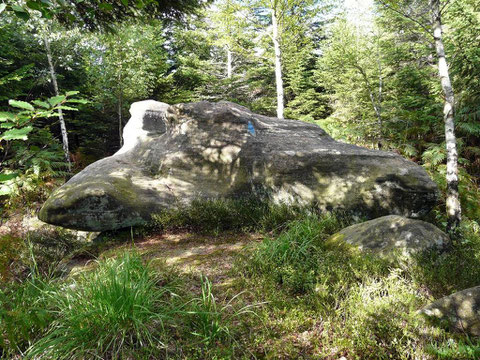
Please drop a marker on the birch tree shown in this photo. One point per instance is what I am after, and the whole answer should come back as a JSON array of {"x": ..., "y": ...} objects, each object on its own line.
[
  {"x": 280, "y": 19},
  {"x": 230, "y": 29},
  {"x": 278, "y": 57},
  {"x": 427, "y": 15},
  {"x": 53, "y": 77}
]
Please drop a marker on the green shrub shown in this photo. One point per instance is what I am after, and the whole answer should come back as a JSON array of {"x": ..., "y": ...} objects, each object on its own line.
[
  {"x": 454, "y": 270},
  {"x": 455, "y": 349},
  {"x": 11, "y": 250},
  {"x": 299, "y": 259},
  {"x": 39, "y": 251}
]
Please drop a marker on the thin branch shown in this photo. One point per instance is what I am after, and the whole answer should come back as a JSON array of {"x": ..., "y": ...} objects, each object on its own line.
[
  {"x": 447, "y": 2},
  {"x": 385, "y": 5}
]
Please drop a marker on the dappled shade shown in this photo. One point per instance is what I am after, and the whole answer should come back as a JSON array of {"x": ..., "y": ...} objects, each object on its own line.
[
  {"x": 175, "y": 154},
  {"x": 461, "y": 310}
]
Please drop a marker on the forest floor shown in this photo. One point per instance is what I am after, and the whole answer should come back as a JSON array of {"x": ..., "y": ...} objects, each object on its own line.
[
  {"x": 188, "y": 253},
  {"x": 258, "y": 294}
]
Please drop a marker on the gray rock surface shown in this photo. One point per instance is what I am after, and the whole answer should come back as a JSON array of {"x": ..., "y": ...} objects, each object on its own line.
[
  {"x": 393, "y": 234},
  {"x": 174, "y": 154},
  {"x": 461, "y": 311}
]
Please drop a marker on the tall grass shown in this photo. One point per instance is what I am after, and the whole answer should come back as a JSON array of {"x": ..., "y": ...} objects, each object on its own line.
[
  {"x": 24, "y": 314},
  {"x": 301, "y": 261},
  {"x": 209, "y": 321},
  {"x": 123, "y": 308},
  {"x": 214, "y": 216},
  {"x": 104, "y": 314}
]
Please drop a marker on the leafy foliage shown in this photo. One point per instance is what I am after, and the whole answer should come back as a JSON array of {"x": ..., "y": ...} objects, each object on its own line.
[{"x": 28, "y": 150}]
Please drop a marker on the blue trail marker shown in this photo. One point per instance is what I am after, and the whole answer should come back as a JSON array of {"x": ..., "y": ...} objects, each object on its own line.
[{"x": 251, "y": 129}]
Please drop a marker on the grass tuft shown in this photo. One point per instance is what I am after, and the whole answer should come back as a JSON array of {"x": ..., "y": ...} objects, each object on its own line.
[{"x": 119, "y": 307}]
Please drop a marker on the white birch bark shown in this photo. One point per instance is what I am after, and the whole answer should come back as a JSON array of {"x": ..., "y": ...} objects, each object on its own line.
[
  {"x": 278, "y": 63},
  {"x": 120, "y": 121},
  {"x": 453, "y": 203},
  {"x": 53, "y": 76},
  {"x": 229, "y": 63}
]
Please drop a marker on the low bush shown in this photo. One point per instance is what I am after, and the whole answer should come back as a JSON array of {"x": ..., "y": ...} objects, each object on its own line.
[
  {"x": 377, "y": 320},
  {"x": 453, "y": 270},
  {"x": 336, "y": 302},
  {"x": 301, "y": 261}
]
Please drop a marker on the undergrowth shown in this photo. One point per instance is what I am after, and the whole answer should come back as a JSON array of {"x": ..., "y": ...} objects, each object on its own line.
[
  {"x": 293, "y": 295},
  {"x": 122, "y": 309},
  {"x": 334, "y": 302},
  {"x": 219, "y": 215}
]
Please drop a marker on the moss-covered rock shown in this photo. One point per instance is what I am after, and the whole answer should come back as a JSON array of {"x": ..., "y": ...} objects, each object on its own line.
[
  {"x": 460, "y": 311},
  {"x": 176, "y": 154},
  {"x": 391, "y": 235}
]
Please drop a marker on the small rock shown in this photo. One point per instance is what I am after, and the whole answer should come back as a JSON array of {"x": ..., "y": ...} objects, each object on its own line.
[
  {"x": 461, "y": 311},
  {"x": 393, "y": 233}
]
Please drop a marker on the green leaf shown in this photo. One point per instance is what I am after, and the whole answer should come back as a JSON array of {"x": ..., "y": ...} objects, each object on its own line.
[
  {"x": 5, "y": 190},
  {"x": 56, "y": 100},
  {"x": 4, "y": 116},
  {"x": 22, "y": 119},
  {"x": 18, "y": 8},
  {"x": 34, "y": 5},
  {"x": 21, "y": 12},
  {"x": 70, "y": 93},
  {"x": 78, "y": 101},
  {"x": 71, "y": 17},
  {"x": 16, "y": 134},
  {"x": 41, "y": 103},
  {"x": 47, "y": 14},
  {"x": 67, "y": 108},
  {"x": 106, "y": 7},
  {"x": 125, "y": 2},
  {"x": 20, "y": 104},
  {"x": 2, "y": 7},
  {"x": 7, "y": 125},
  {"x": 7, "y": 177}
]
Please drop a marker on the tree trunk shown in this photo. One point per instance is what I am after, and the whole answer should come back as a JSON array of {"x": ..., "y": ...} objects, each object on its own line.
[
  {"x": 119, "y": 111},
  {"x": 453, "y": 203},
  {"x": 229, "y": 63},
  {"x": 120, "y": 122},
  {"x": 380, "y": 99},
  {"x": 53, "y": 75},
  {"x": 376, "y": 102},
  {"x": 278, "y": 64}
]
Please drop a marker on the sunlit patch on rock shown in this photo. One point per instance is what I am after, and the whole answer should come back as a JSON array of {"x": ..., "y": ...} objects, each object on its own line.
[{"x": 175, "y": 154}]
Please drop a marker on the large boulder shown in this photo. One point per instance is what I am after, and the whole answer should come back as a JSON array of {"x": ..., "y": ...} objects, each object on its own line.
[
  {"x": 460, "y": 311},
  {"x": 174, "y": 154},
  {"x": 389, "y": 236}
]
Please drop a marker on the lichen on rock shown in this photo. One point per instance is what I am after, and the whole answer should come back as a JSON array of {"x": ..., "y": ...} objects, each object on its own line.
[
  {"x": 393, "y": 235},
  {"x": 460, "y": 311},
  {"x": 176, "y": 154}
]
